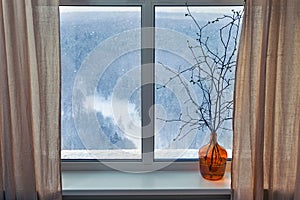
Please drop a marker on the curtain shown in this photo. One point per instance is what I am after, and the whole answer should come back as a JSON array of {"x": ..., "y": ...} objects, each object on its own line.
[
  {"x": 30, "y": 100},
  {"x": 266, "y": 146}
]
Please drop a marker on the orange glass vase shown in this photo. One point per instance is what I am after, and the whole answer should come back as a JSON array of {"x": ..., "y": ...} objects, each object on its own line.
[{"x": 212, "y": 159}]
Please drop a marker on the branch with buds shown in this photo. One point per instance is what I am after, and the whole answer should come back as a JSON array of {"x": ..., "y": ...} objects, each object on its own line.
[{"x": 213, "y": 73}]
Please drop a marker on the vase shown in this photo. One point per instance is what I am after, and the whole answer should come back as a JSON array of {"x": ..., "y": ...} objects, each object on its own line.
[{"x": 212, "y": 159}]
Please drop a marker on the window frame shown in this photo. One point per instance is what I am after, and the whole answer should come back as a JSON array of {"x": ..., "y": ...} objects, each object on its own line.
[{"x": 147, "y": 163}]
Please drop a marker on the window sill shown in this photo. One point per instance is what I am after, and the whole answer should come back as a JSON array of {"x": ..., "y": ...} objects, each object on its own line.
[{"x": 159, "y": 183}]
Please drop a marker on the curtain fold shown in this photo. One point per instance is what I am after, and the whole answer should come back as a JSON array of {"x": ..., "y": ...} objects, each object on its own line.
[
  {"x": 266, "y": 156},
  {"x": 30, "y": 100}
]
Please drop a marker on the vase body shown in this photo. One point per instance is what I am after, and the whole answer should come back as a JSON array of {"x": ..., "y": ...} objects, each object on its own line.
[{"x": 212, "y": 159}]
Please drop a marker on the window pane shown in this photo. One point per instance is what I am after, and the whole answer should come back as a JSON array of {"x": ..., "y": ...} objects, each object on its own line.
[
  {"x": 100, "y": 102},
  {"x": 192, "y": 46}
]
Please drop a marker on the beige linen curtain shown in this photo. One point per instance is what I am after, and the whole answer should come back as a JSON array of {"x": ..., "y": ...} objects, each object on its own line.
[
  {"x": 266, "y": 149},
  {"x": 29, "y": 95}
]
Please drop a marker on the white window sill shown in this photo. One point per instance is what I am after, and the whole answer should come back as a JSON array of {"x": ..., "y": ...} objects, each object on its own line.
[
  {"x": 132, "y": 154},
  {"x": 106, "y": 183}
]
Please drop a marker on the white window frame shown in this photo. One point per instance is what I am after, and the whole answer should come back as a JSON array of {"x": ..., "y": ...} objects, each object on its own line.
[{"x": 147, "y": 162}]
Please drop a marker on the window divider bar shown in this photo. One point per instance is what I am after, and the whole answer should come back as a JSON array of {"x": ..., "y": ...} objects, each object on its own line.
[
  {"x": 151, "y": 2},
  {"x": 147, "y": 77},
  {"x": 100, "y": 2}
]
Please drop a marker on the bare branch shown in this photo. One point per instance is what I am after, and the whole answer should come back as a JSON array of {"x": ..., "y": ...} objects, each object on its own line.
[{"x": 212, "y": 73}]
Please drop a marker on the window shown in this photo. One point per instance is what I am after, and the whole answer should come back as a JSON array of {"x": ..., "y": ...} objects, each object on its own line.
[
  {"x": 100, "y": 57},
  {"x": 117, "y": 103}
]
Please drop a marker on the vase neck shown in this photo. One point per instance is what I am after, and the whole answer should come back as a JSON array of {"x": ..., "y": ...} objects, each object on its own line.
[{"x": 213, "y": 138}]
